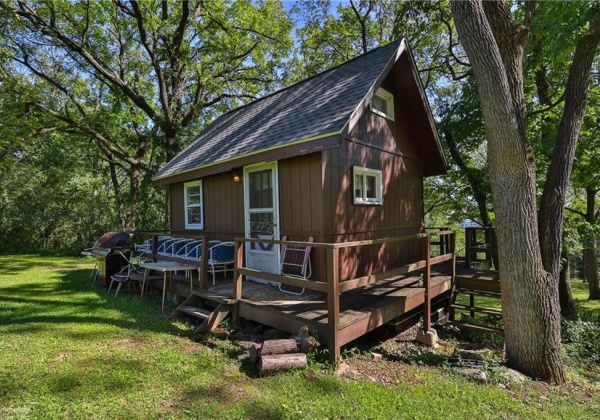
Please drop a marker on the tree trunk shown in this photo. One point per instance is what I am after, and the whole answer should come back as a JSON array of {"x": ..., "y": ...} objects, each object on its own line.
[
  {"x": 529, "y": 298},
  {"x": 590, "y": 252},
  {"x": 555, "y": 188},
  {"x": 590, "y": 270},
  {"x": 565, "y": 294}
]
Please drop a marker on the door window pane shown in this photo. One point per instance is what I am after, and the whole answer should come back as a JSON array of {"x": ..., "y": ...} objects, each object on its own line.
[{"x": 260, "y": 189}]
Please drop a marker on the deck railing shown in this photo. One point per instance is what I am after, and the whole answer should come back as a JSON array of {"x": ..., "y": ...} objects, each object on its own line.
[
  {"x": 333, "y": 287},
  {"x": 481, "y": 240}
]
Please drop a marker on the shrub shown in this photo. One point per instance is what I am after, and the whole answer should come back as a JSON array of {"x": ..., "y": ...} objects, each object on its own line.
[{"x": 582, "y": 338}]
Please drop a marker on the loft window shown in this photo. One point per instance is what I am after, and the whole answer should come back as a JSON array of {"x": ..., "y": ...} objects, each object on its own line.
[
  {"x": 194, "y": 209},
  {"x": 382, "y": 104},
  {"x": 367, "y": 186}
]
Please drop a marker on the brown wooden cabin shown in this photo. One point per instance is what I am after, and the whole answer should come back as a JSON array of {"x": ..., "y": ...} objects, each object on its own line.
[{"x": 340, "y": 156}]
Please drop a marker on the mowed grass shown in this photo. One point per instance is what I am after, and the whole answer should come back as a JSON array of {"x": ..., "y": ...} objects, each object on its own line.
[
  {"x": 580, "y": 295},
  {"x": 69, "y": 350}
]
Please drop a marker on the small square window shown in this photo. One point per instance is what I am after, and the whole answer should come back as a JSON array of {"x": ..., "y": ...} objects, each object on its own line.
[
  {"x": 194, "y": 207},
  {"x": 382, "y": 104},
  {"x": 367, "y": 186}
]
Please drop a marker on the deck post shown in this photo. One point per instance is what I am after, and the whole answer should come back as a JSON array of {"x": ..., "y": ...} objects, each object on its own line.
[
  {"x": 333, "y": 303},
  {"x": 427, "y": 335},
  {"x": 468, "y": 243},
  {"x": 204, "y": 266},
  {"x": 453, "y": 261},
  {"x": 237, "y": 279}
]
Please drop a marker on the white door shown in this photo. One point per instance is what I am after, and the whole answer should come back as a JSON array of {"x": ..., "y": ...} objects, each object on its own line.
[{"x": 261, "y": 208}]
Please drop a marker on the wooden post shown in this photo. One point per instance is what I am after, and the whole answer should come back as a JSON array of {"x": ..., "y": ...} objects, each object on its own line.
[
  {"x": 333, "y": 304},
  {"x": 237, "y": 279},
  {"x": 468, "y": 243},
  {"x": 426, "y": 282},
  {"x": 204, "y": 261},
  {"x": 452, "y": 240}
]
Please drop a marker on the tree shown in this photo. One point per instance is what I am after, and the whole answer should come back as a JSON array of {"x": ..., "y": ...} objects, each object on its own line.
[
  {"x": 495, "y": 44},
  {"x": 140, "y": 78}
]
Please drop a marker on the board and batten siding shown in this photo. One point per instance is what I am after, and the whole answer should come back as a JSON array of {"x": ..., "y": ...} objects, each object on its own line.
[
  {"x": 223, "y": 200},
  {"x": 375, "y": 143},
  {"x": 300, "y": 203}
]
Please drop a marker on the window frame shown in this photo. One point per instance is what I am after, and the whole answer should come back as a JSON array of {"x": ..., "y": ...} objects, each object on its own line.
[
  {"x": 363, "y": 173},
  {"x": 186, "y": 206},
  {"x": 388, "y": 97}
]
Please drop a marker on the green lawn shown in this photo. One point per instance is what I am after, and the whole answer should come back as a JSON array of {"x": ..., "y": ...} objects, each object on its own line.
[{"x": 69, "y": 350}]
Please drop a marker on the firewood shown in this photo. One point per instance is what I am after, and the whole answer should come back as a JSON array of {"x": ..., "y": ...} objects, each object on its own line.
[
  {"x": 307, "y": 344},
  {"x": 278, "y": 347},
  {"x": 278, "y": 362}
]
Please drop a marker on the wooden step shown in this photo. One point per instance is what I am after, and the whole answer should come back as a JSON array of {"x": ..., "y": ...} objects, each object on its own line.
[
  {"x": 214, "y": 296},
  {"x": 479, "y": 293},
  {"x": 476, "y": 327},
  {"x": 475, "y": 309},
  {"x": 195, "y": 311}
]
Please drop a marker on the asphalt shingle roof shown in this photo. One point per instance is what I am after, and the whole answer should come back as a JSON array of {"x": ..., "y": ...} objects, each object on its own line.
[{"x": 313, "y": 107}]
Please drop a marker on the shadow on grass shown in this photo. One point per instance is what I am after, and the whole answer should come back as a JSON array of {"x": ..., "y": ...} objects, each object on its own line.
[{"x": 36, "y": 305}]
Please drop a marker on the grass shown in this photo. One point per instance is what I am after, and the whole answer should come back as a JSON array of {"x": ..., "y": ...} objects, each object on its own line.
[
  {"x": 580, "y": 295},
  {"x": 69, "y": 350}
]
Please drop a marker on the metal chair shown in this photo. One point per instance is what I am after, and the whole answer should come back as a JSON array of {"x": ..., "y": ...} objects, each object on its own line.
[
  {"x": 125, "y": 275},
  {"x": 295, "y": 262},
  {"x": 220, "y": 258}
]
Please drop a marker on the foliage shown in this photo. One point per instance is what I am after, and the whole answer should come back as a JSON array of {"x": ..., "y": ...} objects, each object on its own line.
[
  {"x": 582, "y": 337},
  {"x": 138, "y": 80}
]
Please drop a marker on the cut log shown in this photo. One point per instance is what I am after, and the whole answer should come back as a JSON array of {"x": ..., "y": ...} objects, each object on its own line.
[
  {"x": 278, "y": 362},
  {"x": 253, "y": 352},
  {"x": 278, "y": 347},
  {"x": 307, "y": 344}
]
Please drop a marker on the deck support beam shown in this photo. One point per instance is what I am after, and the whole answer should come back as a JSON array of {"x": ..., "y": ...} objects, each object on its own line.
[
  {"x": 427, "y": 335},
  {"x": 333, "y": 304},
  {"x": 237, "y": 280}
]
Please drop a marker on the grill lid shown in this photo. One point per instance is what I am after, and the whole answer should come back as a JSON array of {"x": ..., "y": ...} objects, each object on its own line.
[{"x": 113, "y": 240}]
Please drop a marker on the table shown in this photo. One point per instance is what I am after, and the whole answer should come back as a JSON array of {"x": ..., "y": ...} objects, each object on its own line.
[{"x": 165, "y": 267}]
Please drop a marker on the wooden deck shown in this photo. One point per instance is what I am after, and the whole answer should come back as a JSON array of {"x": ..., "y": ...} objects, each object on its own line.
[{"x": 361, "y": 310}]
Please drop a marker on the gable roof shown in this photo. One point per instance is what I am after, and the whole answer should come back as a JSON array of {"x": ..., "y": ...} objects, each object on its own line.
[{"x": 324, "y": 105}]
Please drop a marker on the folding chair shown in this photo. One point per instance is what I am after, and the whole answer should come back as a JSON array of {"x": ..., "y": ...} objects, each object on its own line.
[
  {"x": 125, "y": 275},
  {"x": 295, "y": 262}
]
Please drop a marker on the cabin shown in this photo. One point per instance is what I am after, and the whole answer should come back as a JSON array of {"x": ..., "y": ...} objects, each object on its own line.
[{"x": 339, "y": 157}]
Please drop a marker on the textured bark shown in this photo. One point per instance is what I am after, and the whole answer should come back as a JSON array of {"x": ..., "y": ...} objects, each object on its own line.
[
  {"x": 565, "y": 294},
  {"x": 590, "y": 253},
  {"x": 278, "y": 362},
  {"x": 555, "y": 188},
  {"x": 590, "y": 270},
  {"x": 529, "y": 299}
]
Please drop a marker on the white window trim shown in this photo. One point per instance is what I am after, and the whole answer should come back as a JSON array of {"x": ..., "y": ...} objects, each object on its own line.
[
  {"x": 188, "y": 225},
  {"x": 388, "y": 97},
  {"x": 361, "y": 171}
]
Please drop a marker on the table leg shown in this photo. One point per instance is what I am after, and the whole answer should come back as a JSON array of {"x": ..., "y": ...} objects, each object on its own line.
[
  {"x": 164, "y": 292},
  {"x": 144, "y": 283}
]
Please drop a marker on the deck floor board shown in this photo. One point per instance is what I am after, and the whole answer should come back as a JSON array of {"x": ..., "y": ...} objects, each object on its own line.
[{"x": 355, "y": 305}]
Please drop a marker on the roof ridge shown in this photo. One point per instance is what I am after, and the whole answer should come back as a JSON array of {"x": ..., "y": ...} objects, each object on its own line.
[{"x": 310, "y": 78}]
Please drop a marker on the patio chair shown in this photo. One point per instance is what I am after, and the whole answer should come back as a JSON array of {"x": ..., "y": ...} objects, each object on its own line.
[
  {"x": 220, "y": 258},
  {"x": 129, "y": 273},
  {"x": 295, "y": 262}
]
